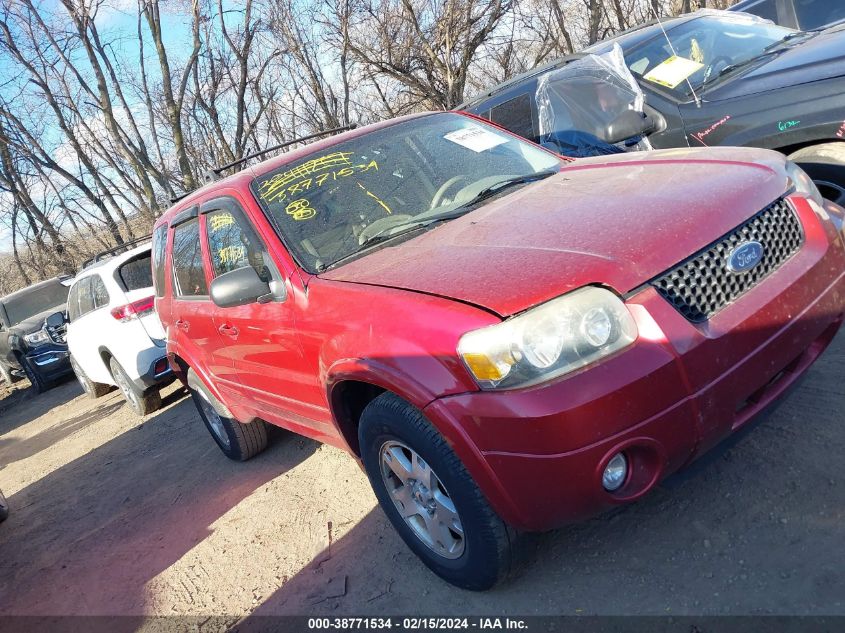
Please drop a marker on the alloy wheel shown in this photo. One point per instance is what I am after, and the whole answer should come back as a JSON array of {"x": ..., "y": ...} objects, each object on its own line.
[
  {"x": 215, "y": 422},
  {"x": 127, "y": 391},
  {"x": 421, "y": 499}
]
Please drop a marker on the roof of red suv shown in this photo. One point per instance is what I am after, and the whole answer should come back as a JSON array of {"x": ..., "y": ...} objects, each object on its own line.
[{"x": 243, "y": 177}]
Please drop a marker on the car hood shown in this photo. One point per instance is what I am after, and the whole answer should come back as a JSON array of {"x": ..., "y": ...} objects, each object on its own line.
[
  {"x": 617, "y": 221},
  {"x": 36, "y": 322},
  {"x": 818, "y": 58}
]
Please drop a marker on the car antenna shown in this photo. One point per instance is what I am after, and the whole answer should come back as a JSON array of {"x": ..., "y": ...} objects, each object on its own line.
[
  {"x": 213, "y": 174},
  {"x": 674, "y": 52}
]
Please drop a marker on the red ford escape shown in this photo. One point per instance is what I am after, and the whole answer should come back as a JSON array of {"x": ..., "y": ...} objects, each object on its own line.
[{"x": 506, "y": 341}]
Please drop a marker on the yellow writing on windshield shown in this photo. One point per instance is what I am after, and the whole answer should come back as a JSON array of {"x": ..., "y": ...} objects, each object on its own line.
[
  {"x": 302, "y": 178},
  {"x": 376, "y": 198},
  {"x": 301, "y": 209},
  {"x": 270, "y": 189}
]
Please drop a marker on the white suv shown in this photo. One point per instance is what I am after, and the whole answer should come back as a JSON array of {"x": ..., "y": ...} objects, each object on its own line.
[{"x": 114, "y": 336}]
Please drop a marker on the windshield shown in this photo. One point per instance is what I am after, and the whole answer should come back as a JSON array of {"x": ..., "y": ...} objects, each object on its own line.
[
  {"x": 327, "y": 206},
  {"x": 22, "y": 307},
  {"x": 701, "y": 50}
]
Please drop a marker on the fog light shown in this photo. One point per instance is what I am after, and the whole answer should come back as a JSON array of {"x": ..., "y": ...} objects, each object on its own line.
[{"x": 615, "y": 473}]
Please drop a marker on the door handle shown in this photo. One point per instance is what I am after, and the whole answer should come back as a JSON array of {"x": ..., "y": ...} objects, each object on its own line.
[
  {"x": 229, "y": 330},
  {"x": 182, "y": 325}
]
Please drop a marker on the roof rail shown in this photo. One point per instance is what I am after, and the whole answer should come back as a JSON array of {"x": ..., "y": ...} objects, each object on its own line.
[
  {"x": 114, "y": 251},
  {"x": 213, "y": 174}
]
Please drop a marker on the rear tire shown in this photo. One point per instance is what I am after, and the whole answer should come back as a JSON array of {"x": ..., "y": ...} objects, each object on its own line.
[
  {"x": 92, "y": 389},
  {"x": 237, "y": 440},
  {"x": 825, "y": 164},
  {"x": 140, "y": 402},
  {"x": 38, "y": 383},
  {"x": 462, "y": 539}
]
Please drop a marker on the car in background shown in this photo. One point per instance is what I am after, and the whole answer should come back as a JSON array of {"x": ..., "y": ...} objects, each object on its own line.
[
  {"x": 114, "y": 336},
  {"x": 4, "y": 507},
  {"x": 748, "y": 83},
  {"x": 32, "y": 334},
  {"x": 804, "y": 15},
  {"x": 506, "y": 339}
]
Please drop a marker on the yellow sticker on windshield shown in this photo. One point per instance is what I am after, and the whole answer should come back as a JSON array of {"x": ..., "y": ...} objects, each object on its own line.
[{"x": 673, "y": 71}]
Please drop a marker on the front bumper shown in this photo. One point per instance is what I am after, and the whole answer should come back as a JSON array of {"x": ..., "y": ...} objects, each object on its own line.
[
  {"x": 51, "y": 360},
  {"x": 538, "y": 453}
]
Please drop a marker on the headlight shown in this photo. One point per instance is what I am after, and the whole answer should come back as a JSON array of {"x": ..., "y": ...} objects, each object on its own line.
[
  {"x": 804, "y": 185},
  {"x": 37, "y": 338},
  {"x": 555, "y": 338}
]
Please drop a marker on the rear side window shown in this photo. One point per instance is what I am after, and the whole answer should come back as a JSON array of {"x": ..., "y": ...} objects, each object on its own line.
[
  {"x": 188, "y": 274},
  {"x": 137, "y": 272},
  {"x": 813, "y": 14},
  {"x": 86, "y": 298},
  {"x": 159, "y": 244},
  {"x": 233, "y": 244},
  {"x": 766, "y": 9},
  {"x": 98, "y": 290},
  {"x": 73, "y": 302},
  {"x": 515, "y": 115}
]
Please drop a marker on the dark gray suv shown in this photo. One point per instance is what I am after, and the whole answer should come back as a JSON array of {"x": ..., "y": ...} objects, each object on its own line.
[{"x": 32, "y": 334}]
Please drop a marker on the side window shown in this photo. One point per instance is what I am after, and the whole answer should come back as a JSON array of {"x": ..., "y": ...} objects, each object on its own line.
[
  {"x": 766, "y": 9},
  {"x": 99, "y": 292},
  {"x": 188, "y": 274},
  {"x": 73, "y": 303},
  {"x": 813, "y": 14},
  {"x": 86, "y": 298},
  {"x": 159, "y": 244},
  {"x": 233, "y": 243},
  {"x": 136, "y": 273},
  {"x": 515, "y": 115}
]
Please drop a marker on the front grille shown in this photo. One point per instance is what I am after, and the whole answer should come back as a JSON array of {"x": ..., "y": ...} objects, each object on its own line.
[
  {"x": 703, "y": 285},
  {"x": 58, "y": 334}
]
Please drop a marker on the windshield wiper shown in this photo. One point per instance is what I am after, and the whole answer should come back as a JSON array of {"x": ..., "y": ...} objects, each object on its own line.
[
  {"x": 498, "y": 187},
  {"x": 771, "y": 49}
]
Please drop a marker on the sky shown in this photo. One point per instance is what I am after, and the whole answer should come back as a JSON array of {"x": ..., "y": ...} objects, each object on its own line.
[{"x": 117, "y": 22}]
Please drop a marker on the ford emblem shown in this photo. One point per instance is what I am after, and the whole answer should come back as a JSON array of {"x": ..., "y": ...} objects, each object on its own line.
[{"x": 745, "y": 257}]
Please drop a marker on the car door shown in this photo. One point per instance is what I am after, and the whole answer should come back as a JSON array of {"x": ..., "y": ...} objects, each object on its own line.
[
  {"x": 261, "y": 339},
  {"x": 192, "y": 331},
  {"x": 83, "y": 335}
]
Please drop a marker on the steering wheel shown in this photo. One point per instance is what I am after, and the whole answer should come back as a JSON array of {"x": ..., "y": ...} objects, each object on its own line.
[{"x": 441, "y": 192}]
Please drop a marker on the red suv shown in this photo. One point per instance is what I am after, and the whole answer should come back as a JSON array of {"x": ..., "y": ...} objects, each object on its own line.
[{"x": 506, "y": 340}]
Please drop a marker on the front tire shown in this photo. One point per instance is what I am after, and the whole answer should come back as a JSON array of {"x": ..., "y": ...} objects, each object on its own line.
[
  {"x": 825, "y": 164},
  {"x": 140, "y": 402},
  {"x": 38, "y": 383},
  {"x": 430, "y": 498},
  {"x": 238, "y": 441},
  {"x": 92, "y": 389}
]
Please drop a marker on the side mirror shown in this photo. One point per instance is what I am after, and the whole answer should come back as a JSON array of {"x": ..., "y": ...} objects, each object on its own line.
[
  {"x": 238, "y": 287},
  {"x": 629, "y": 124},
  {"x": 57, "y": 319}
]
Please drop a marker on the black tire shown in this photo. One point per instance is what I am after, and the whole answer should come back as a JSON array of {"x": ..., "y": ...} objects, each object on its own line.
[
  {"x": 487, "y": 553},
  {"x": 139, "y": 401},
  {"x": 92, "y": 389},
  {"x": 4, "y": 507},
  {"x": 825, "y": 164},
  {"x": 237, "y": 440},
  {"x": 7, "y": 375},
  {"x": 38, "y": 383}
]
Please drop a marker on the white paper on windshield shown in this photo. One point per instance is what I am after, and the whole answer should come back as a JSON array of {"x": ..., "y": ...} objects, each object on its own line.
[
  {"x": 673, "y": 71},
  {"x": 476, "y": 138}
]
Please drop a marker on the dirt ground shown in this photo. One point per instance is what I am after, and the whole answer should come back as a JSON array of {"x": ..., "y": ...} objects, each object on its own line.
[{"x": 112, "y": 514}]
